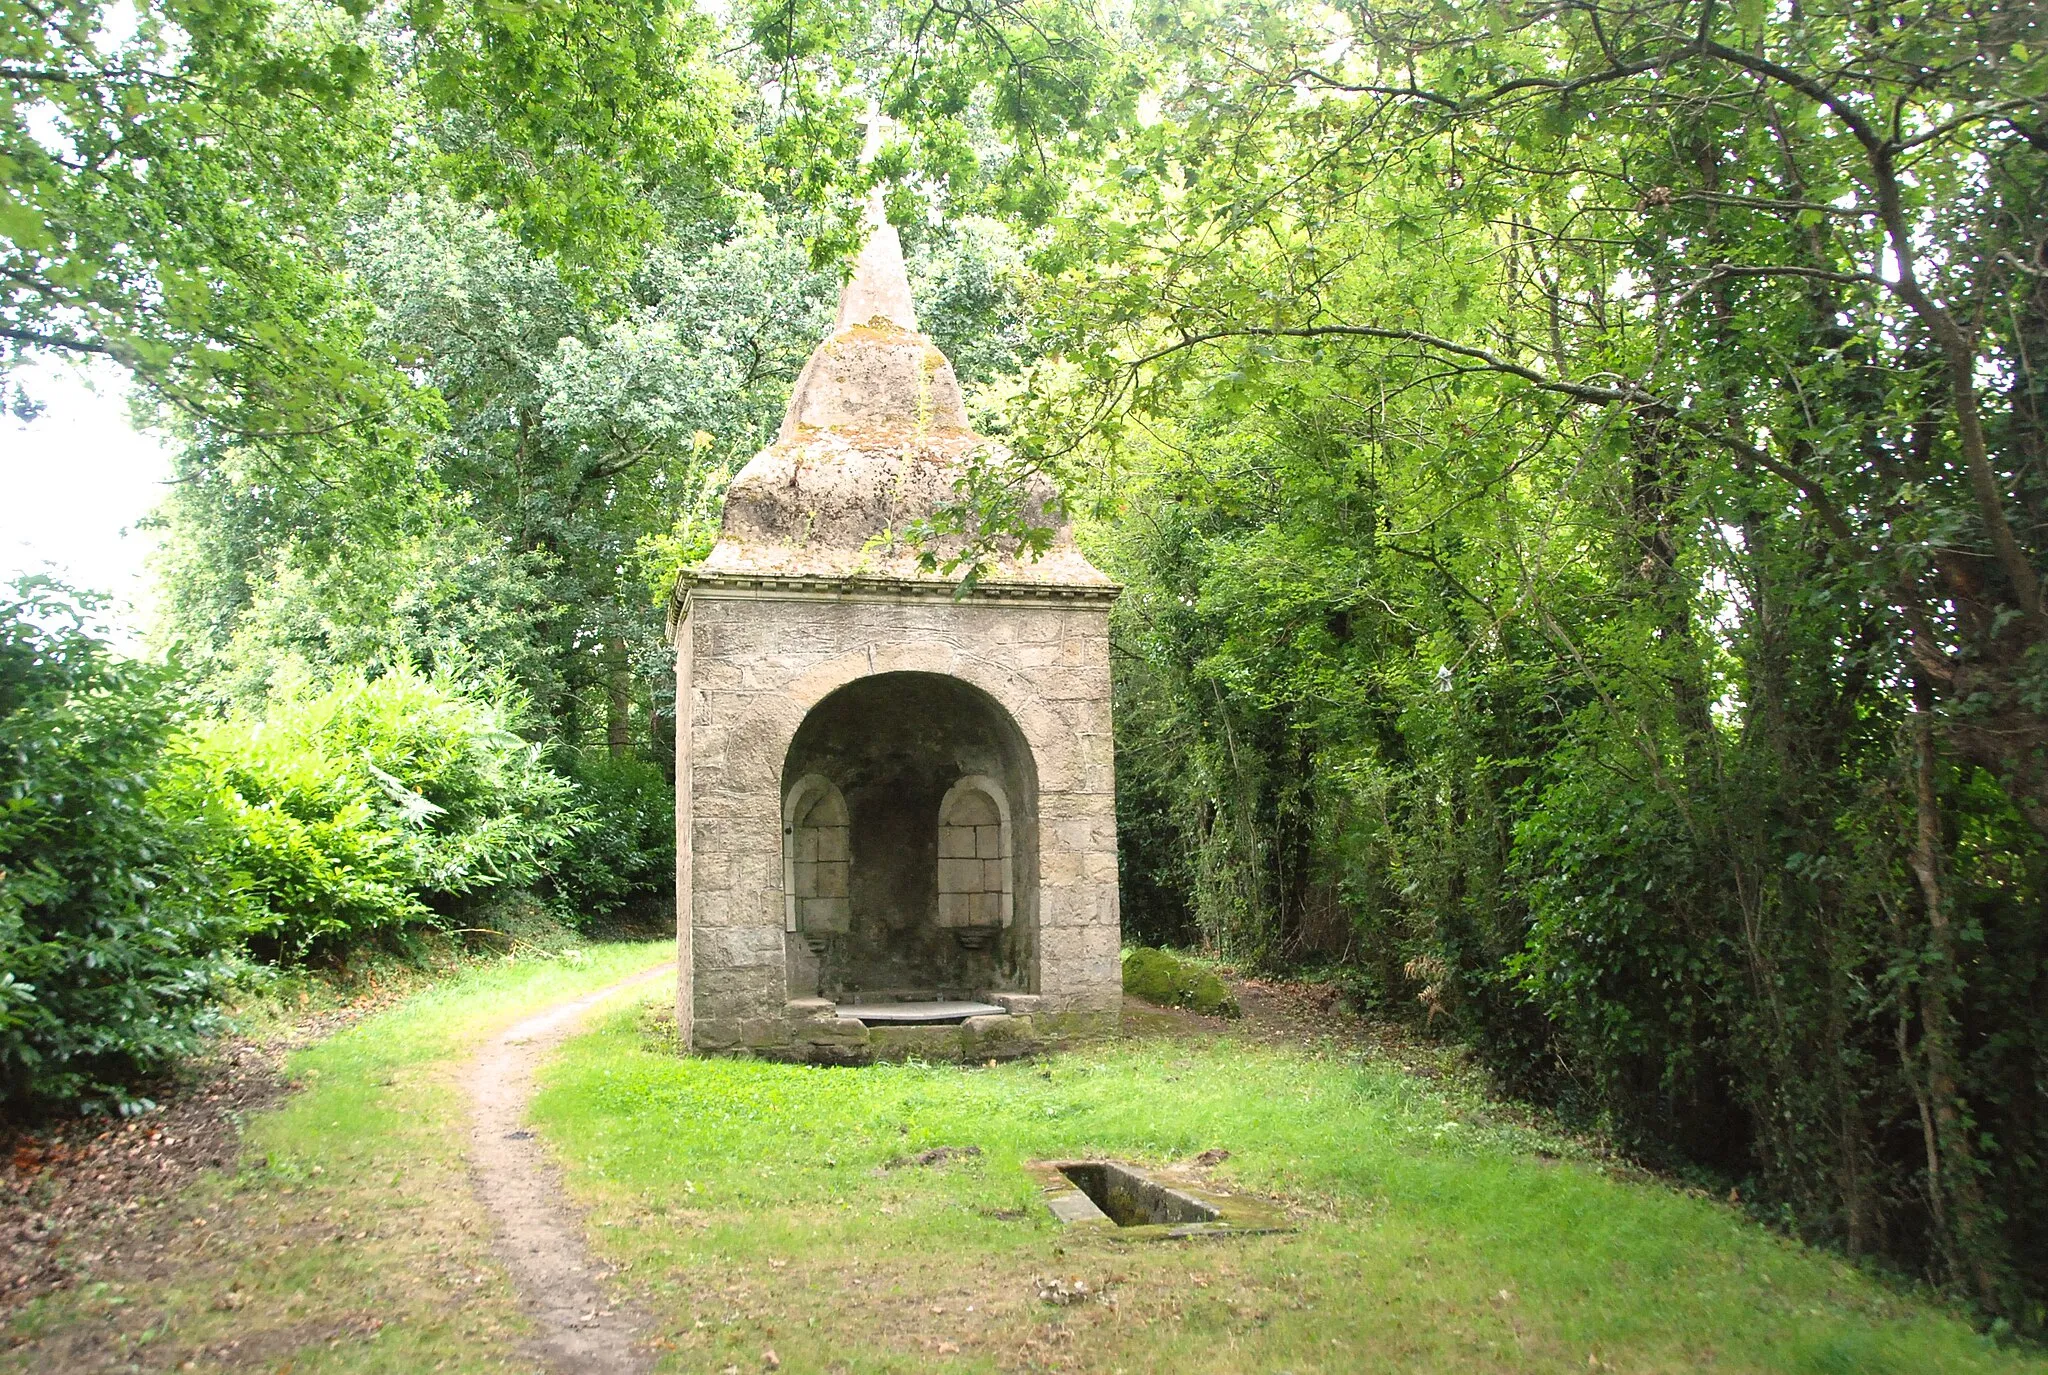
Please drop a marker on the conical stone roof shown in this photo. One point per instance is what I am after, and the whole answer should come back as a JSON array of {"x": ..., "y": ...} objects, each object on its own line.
[{"x": 876, "y": 437}]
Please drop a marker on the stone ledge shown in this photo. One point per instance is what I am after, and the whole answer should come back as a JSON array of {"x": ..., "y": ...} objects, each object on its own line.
[
  {"x": 809, "y": 1035},
  {"x": 856, "y": 587}
]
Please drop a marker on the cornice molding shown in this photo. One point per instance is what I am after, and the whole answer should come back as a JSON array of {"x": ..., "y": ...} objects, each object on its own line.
[{"x": 792, "y": 587}]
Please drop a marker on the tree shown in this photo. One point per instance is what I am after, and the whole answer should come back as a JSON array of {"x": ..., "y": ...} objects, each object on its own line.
[
  {"x": 113, "y": 944},
  {"x": 1546, "y": 426},
  {"x": 173, "y": 192}
]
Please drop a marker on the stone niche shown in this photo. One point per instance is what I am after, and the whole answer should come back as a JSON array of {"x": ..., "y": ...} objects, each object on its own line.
[
  {"x": 924, "y": 905},
  {"x": 896, "y": 811}
]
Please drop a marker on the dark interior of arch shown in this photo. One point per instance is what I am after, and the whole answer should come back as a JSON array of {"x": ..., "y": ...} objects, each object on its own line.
[{"x": 893, "y": 744}]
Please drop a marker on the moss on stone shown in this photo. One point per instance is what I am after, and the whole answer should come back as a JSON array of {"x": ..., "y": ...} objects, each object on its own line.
[{"x": 1162, "y": 977}]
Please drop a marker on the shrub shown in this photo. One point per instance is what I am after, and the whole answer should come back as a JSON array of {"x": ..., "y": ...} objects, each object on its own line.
[
  {"x": 371, "y": 804},
  {"x": 1159, "y": 976},
  {"x": 622, "y": 853},
  {"x": 113, "y": 946}
]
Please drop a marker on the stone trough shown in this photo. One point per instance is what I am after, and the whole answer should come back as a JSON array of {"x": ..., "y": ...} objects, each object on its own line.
[
  {"x": 828, "y": 1032},
  {"x": 1114, "y": 1198}
]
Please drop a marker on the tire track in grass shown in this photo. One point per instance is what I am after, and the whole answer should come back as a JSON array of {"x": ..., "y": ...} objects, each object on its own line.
[{"x": 584, "y": 1329}]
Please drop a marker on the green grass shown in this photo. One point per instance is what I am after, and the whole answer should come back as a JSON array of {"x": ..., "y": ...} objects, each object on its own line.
[
  {"x": 349, "y": 1240},
  {"x": 755, "y": 1210},
  {"x": 753, "y": 1205}
]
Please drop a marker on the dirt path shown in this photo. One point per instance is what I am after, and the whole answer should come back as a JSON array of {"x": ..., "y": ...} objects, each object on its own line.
[{"x": 540, "y": 1236}]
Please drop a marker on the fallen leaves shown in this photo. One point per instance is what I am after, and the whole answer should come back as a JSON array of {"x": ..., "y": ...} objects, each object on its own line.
[{"x": 107, "y": 1193}]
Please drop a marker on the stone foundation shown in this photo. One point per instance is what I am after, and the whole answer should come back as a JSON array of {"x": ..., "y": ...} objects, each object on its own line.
[{"x": 812, "y": 1032}]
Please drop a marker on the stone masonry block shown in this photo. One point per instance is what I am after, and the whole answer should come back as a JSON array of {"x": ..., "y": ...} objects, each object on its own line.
[
  {"x": 749, "y": 984},
  {"x": 721, "y": 1033},
  {"x": 739, "y": 947},
  {"x": 1002, "y": 1037},
  {"x": 835, "y": 1031},
  {"x": 760, "y": 1032}
]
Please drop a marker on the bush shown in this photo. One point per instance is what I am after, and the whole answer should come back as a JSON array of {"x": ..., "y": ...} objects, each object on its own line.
[
  {"x": 622, "y": 854},
  {"x": 113, "y": 946},
  {"x": 371, "y": 804},
  {"x": 1159, "y": 976}
]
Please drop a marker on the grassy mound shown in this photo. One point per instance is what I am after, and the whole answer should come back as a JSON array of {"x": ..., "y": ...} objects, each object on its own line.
[{"x": 1162, "y": 977}]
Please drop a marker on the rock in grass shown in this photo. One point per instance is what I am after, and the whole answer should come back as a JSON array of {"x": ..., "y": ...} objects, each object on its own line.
[{"x": 1160, "y": 976}]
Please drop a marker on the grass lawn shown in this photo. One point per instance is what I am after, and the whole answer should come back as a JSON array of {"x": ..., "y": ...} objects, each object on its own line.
[
  {"x": 756, "y": 1207},
  {"x": 349, "y": 1239}
]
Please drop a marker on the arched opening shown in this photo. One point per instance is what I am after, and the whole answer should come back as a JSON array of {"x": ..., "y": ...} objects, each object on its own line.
[
  {"x": 926, "y": 787},
  {"x": 975, "y": 882},
  {"x": 816, "y": 858}
]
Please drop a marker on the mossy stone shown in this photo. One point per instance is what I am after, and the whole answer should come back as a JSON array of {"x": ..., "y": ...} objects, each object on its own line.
[{"x": 1162, "y": 977}]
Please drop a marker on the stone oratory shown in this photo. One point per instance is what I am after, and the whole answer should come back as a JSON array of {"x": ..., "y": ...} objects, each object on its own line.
[{"x": 895, "y": 802}]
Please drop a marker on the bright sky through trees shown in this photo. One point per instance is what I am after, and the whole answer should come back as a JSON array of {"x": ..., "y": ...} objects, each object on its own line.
[{"x": 77, "y": 479}]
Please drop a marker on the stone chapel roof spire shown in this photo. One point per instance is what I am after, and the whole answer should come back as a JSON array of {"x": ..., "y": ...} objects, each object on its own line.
[
  {"x": 879, "y": 287},
  {"x": 876, "y": 438}
]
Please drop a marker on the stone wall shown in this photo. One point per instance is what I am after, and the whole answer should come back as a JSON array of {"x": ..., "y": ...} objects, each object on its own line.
[{"x": 754, "y": 657}]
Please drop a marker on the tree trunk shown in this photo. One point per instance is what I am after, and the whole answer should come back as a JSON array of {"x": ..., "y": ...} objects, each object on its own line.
[
  {"x": 1951, "y": 1168},
  {"x": 618, "y": 725}
]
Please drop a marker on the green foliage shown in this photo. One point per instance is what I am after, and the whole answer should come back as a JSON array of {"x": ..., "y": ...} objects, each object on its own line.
[
  {"x": 621, "y": 856},
  {"x": 348, "y": 811},
  {"x": 229, "y": 138},
  {"x": 567, "y": 117},
  {"x": 144, "y": 161},
  {"x": 585, "y": 447},
  {"x": 1582, "y": 573},
  {"x": 988, "y": 95},
  {"x": 1162, "y": 977},
  {"x": 113, "y": 945}
]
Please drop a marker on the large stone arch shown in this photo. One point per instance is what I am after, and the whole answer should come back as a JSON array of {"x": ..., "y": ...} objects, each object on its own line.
[
  {"x": 1049, "y": 733},
  {"x": 899, "y": 746}
]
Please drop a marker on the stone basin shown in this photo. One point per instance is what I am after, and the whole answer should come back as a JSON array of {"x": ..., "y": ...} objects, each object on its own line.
[
  {"x": 1116, "y": 1198},
  {"x": 918, "y": 1014}
]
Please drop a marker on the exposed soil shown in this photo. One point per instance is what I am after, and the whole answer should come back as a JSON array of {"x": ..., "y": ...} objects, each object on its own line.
[
  {"x": 937, "y": 1155},
  {"x": 586, "y": 1328},
  {"x": 1281, "y": 1012},
  {"x": 84, "y": 1195}
]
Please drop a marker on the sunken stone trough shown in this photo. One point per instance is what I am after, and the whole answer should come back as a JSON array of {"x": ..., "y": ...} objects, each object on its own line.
[
  {"x": 895, "y": 801},
  {"x": 1113, "y": 1197}
]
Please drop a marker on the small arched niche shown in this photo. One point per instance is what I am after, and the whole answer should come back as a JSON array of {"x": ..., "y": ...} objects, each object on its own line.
[
  {"x": 817, "y": 858},
  {"x": 938, "y": 793},
  {"x": 976, "y": 885}
]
